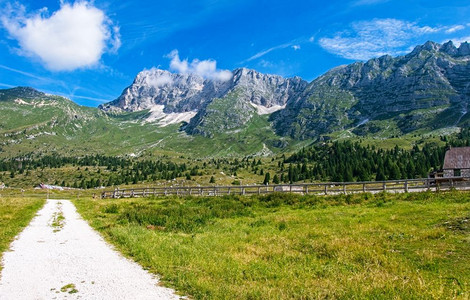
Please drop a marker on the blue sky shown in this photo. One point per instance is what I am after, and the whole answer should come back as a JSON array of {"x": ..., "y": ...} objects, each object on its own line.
[{"x": 89, "y": 51}]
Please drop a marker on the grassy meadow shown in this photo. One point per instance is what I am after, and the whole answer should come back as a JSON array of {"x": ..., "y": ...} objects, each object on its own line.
[
  {"x": 280, "y": 246},
  {"x": 15, "y": 214}
]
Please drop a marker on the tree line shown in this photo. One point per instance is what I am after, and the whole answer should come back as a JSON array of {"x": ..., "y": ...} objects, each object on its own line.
[{"x": 336, "y": 161}]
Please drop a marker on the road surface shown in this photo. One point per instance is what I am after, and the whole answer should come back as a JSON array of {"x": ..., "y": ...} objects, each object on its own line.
[{"x": 59, "y": 256}]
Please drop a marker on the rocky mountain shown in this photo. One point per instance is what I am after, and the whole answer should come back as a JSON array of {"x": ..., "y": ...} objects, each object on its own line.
[
  {"x": 428, "y": 88},
  {"x": 423, "y": 93},
  {"x": 172, "y": 98},
  {"x": 386, "y": 96}
]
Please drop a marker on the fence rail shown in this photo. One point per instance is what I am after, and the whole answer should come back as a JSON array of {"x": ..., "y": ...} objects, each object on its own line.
[{"x": 325, "y": 188}]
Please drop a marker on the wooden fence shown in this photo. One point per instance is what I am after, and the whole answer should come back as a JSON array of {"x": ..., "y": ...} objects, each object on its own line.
[{"x": 325, "y": 188}]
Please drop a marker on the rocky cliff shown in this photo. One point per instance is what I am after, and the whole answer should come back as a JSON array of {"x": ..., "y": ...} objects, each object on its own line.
[{"x": 191, "y": 98}]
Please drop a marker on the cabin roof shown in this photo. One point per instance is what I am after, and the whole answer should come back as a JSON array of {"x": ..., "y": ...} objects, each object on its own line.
[{"x": 457, "y": 158}]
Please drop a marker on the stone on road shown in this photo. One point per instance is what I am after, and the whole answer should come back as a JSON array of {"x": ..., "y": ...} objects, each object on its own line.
[{"x": 59, "y": 256}]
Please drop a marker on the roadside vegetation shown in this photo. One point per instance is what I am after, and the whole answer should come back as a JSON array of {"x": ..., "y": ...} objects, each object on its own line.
[
  {"x": 286, "y": 246},
  {"x": 15, "y": 214}
]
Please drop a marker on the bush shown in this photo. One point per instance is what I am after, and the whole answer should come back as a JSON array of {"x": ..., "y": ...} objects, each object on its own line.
[
  {"x": 111, "y": 209},
  {"x": 188, "y": 215}
]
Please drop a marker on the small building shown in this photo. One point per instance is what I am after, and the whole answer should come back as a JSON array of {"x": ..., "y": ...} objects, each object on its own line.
[{"x": 457, "y": 162}]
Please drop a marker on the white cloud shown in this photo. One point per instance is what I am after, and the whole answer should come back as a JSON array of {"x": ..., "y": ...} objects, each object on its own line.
[
  {"x": 311, "y": 39},
  {"x": 6, "y": 85},
  {"x": 158, "y": 81},
  {"x": 75, "y": 36},
  {"x": 264, "y": 52},
  {"x": 368, "y": 39},
  {"x": 458, "y": 41},
  {"x": 204, "y": 68},
  {"x": 455, "y": 28},
  {"x": 296, "y": 47},
  {"x": 266, "y": 64}
]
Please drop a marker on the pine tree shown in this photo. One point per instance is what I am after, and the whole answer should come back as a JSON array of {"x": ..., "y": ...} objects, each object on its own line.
[
  {"x": 267, "y": 178},
  {"x": 275, "y": 179}
]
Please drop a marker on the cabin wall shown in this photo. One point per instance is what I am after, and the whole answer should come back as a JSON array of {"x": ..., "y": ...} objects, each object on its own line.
[{"x": 463, "y": 172}]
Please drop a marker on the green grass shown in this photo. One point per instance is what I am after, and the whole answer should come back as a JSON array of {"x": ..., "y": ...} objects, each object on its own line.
[
  {"x": 69, "y": 288},
  {"x": 15, "y": 214},
  {"x": 408, "y": 246}
]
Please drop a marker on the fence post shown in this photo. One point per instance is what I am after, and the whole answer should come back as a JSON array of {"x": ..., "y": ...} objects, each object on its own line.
[
  {"x": 326, "y": 189},
  {"x": 384, "y": 187},
  {"x": 344, "y": 188},
  {"x": 406, "y": 186},
  {"x": 363, "y": 187}
]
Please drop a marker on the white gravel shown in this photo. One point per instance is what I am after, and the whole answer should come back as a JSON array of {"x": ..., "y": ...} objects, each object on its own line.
[{"x": 43, "y": 259}]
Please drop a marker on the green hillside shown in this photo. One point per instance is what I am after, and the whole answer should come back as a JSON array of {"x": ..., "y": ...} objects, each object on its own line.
[{"x": 40, "y": 124}]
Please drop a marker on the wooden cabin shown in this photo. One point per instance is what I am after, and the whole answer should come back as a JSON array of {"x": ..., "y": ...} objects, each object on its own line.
[{"x": 457, "y": 162}]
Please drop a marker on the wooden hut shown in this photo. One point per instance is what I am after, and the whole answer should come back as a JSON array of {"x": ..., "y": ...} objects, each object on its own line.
[{"x": 457, "y": 162}]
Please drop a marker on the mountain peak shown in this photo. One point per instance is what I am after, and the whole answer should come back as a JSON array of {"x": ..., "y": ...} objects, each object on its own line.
[
  {"x": 464, "y": 49},
  {"x": 428, "y": 46},
  {"x": 449, "y": 48},
  {"x": 21, "y": 92}
]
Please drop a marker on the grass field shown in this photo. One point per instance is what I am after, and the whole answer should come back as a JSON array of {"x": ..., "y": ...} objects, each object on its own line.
[
  {"x": 408, "y": 246},
  {"x": 15, "y": 214}
]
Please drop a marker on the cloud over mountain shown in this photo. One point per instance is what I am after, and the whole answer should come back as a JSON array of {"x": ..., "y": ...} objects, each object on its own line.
[
  {"x": 368, "y": 39},
  {"x": 73, "y": 37},
  {"x": 205, "y": 68}
]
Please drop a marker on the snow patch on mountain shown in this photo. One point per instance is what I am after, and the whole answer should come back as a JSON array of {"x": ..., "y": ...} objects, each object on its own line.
[
  {"x": 263, "y": 110},
  {"x": 163, "y": 119},
  {"x": 21, "y": 101}
]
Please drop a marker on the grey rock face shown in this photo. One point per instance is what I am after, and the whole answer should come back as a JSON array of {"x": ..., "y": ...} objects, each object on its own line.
[
  {"x": 266, "y": 90},
  {"x": 177, "y": 92},
  {"x": 189, "y": 92}
]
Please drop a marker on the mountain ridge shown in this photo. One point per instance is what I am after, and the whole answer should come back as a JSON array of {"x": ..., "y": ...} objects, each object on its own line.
[
  {"x": 422, "y": 93},
  {"x": 343, "y": 98},
  {"x": 428, "y": 77}
]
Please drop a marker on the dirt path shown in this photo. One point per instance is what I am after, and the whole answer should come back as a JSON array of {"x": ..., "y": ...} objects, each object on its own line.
[{"x": 59, "y": 256}]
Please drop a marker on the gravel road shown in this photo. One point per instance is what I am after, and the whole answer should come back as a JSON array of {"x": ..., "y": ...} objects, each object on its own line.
[{"x": 59, "y": 256}]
